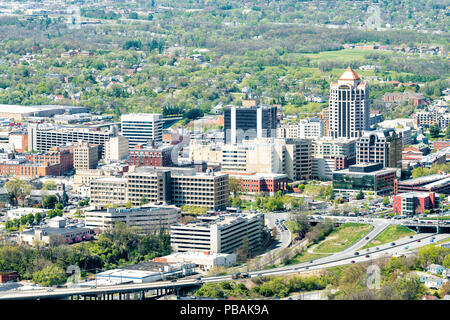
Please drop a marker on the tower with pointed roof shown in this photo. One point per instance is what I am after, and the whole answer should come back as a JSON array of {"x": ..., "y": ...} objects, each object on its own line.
[{"x": 349, "y": 106}]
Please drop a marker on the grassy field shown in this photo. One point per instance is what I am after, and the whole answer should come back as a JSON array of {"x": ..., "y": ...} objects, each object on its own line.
[
  {"x": 342, "y": 55},
  {"x": 392, "y": 233},
  {"x": 305, "y": 256},
  {"x": 343, "y": 237}
]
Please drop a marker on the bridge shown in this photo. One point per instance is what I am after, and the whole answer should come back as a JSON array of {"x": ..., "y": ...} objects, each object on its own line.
[{"x": 139, "y": 291}]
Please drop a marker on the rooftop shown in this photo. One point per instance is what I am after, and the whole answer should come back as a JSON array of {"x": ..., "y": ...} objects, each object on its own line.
[{"x": 349, "y": 74}]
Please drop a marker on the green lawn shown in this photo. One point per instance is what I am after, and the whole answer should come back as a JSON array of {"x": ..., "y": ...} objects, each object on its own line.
[
  {"x": 305, "y": 256},
  {"x": 392, "y": 233},
  {"x": 343, "y": 237}
]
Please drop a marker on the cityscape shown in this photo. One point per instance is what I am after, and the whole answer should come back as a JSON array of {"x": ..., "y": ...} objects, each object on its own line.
[{"x": 224, "y": 151}]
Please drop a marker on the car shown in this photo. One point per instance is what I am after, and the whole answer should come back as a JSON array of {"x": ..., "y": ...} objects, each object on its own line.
[
  {"x": 173, "y": 280},
  {"x": 296, "y": 268},
  {"x": 393, "y": 244},
  {"x": 407, "y": 247},
  {"x": 356, "y": 253},
  {"x": 411, "y": 237},
  {"x": 49, "y": 289},
  {"x": 367, "y": 238},
  {"x": 367, "y": 256},
  {"x": 198, "y": 278},
  {"x": 306, "y": 267},
  {"x": 310, "y": 261},
  {"x": 418, "y": 240},
  {"x": 377, "y": 248},
  {"x": 353, "y": 261}
]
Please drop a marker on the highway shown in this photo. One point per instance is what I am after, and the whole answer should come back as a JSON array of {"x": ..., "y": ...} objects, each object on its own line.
[{"x": 345, "y": 257}]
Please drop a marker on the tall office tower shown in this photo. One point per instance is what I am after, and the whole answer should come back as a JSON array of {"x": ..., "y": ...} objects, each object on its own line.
[
  {"x": 116, "y": 149},
  {"x": 349, "y": 106},
  {"x": 247, "y": 123},
  {"x": 142, "y": 128},
  {"x": 383, "y": 146}
]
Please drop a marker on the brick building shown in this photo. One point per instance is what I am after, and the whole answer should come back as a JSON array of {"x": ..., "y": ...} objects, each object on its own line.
[
  {"x": 411, "y": 203},
  {"x": 56, "y": 155},
  {"x": 149, "y": 156}
]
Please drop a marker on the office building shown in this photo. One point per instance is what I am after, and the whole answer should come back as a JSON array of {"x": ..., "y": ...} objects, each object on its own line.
[
  {"x": 116, "y": 149},
  {"x": 142, "y": 128},
  {"x": 260, "y": 182},
  {"x": 305, "y": 129},
  {"x": 349, "y": 106},
  {"x": 329, "y": 154},
  {"x": 147, "y": 218},
  {"x": 247, "y": 123},
  {"x": 297, "y": 163},
  {"x": 205, "y": 150},
  {"x": 152, "y": 156},
  {"x": 85, "y": 156},
  {"x": 56, "y": 155},
  {"x": 178, "y": 186},
  {"x": 380, "y": 146},
  {"x": 411, "y": 203},
  {"x": 368, "y": 177},
  {"x": 41, "y": 138},
  {"x": 108, "y": 191},
  {"x": 218, "y": 234}
]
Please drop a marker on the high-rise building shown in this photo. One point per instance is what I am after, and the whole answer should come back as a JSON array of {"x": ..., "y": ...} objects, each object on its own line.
[
  {"x": 142, "y": 128},
  {"x": 380, "y": 146},
  {"x": 349, "y": 106},
  {"x": 116, "y": 149},
  {"x": 246, "y": 123},
  {"x": 85, "y": 156}
]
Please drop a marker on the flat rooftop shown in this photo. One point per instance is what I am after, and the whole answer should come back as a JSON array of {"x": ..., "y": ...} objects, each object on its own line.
[{"x": 424, "y": 180}]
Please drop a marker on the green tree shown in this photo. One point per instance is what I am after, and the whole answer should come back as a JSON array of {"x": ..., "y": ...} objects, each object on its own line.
[
  {"x": 49, "y": 202},
  {"x": 143, "y": 200},
  {"x": 18, "y": 190},
  {"x": 386, "y": 201},
  {"x": 434, "y": 131},
  {"x": 360, "y": 195},
  {"x": 49, "y": 185},
  {"x": 50, "y": 276}
]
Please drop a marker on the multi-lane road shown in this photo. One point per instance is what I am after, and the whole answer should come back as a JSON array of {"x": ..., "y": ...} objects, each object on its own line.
[{"x": 402, "y": 246}]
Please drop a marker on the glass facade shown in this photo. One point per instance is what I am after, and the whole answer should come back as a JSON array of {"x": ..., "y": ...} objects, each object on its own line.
[{"x": 353, "y": 182}]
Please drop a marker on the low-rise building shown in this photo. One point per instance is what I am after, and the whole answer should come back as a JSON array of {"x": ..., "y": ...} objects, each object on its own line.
[
  {"x": 204, "y": 261},
  {"x": 56, "y": 233},
  {"x": 370, "y": 177},
  {"x": 411, "y": 203},
  {"x": 108, "y": 191},
  {"x": 116, "y": 149},
  {"x": 260, "y": 182}
]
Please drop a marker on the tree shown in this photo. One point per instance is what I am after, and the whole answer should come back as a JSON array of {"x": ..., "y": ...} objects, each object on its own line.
[
  {"x": 50, "y": 276},
  {"x": 386, "y": 201},
  {"x": 59, "y": 206},
  {"x": 18, "y": 190},
  {"x": 30, "y": 218},
  {"x": 49, "y": 202},
  {"x": 234, "y": 185},
  {"x": 49, "y": 185},
  {"x": 143, "y": 200},
  {"x": 360, "y": 195},
  {"x": 434, "y": 131},
  {"x": 447, "y": 132},
  {"x": 129, "y": 204},
  {"x": 38, "y": 218}
]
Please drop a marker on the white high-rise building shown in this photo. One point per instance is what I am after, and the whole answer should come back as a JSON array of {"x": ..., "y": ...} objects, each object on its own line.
[
  {"x": 349, "y": 106},
  {"x": 142, "y": 128}
]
